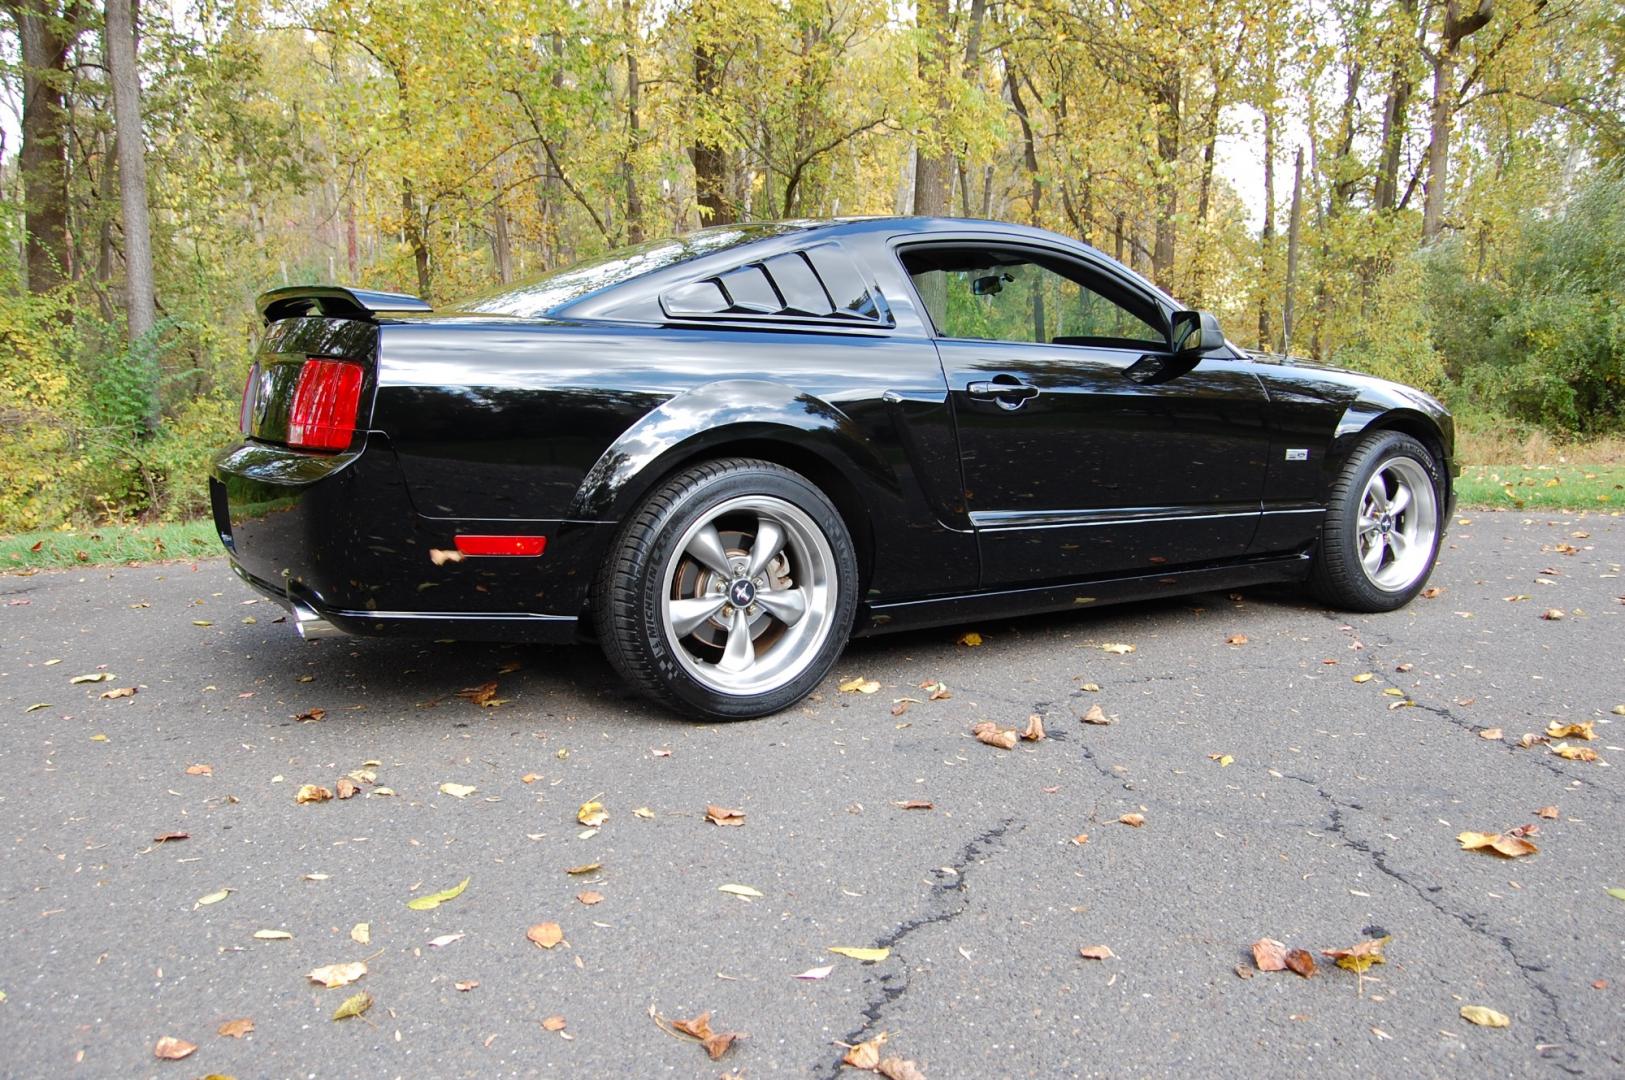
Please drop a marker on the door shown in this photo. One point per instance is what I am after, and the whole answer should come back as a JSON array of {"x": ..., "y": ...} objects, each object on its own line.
[{"x": 1085, "y": 452}]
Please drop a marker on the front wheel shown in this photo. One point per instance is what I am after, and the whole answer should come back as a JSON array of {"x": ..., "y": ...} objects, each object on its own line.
[
  {"x": 1383, "y": 525},
  {"x": 730, "y": 593}
]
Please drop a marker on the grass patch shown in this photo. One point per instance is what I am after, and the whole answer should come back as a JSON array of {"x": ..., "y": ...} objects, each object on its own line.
[
  {"x": 108, "y": 545},
  {"x": 1542, "y": 487}
]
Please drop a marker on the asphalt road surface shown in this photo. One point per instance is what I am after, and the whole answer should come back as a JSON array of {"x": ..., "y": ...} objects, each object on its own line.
[{"x": 1281, "y": 799}]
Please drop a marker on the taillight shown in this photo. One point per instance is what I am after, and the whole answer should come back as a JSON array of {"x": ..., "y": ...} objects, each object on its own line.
[
  {"x": 246, "y": 409},
  {"x": 325, "y": 402}
]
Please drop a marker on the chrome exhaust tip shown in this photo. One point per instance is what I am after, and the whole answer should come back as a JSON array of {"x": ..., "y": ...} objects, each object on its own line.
[{"x": 312, "y": 626}]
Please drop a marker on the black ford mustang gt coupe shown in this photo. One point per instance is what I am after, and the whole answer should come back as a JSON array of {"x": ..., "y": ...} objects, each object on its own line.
[{"x": 722, "y": 455}]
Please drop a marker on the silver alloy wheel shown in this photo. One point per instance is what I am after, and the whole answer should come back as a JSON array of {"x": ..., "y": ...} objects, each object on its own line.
[
  {"x": 749, "y": 595},
  {"x": 1397, "y": 525}
]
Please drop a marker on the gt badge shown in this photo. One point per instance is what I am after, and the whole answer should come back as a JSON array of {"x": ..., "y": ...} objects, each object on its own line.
[{"x": 1297, "y": 455}]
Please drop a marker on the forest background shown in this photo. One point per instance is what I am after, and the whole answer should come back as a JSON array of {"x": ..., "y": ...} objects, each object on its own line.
[{"x": 1442, "y": 198}]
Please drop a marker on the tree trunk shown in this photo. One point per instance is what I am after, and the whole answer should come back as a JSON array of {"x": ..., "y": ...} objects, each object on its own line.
[
  {"x": 414, "y": 227},
  {"x": 1456, "y": 30},
  {"x": 141, "y": 313},
  {"x": 933, "y": 168},
  {"x": 634, "y": 201},
  {"x": 710, "y": 160},
  {"x": 1029, "y": 147},
  {"x": 1385, "y": 191},
  {"x": 45, "y": 38},
  {"x": 501, "y": 246},
  {"x": 1162, "y": 258},
  {"x": 1294, "y": 226},
  {"x": 1267, "y": 239}
]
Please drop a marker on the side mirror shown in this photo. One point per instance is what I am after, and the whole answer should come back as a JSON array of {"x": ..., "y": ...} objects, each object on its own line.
[{"x": 1196, "y": 332}]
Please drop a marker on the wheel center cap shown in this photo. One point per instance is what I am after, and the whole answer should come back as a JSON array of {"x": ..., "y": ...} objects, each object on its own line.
[
  {"x": 1385, "y": 523},
  {"x": 742, "y": 593}
]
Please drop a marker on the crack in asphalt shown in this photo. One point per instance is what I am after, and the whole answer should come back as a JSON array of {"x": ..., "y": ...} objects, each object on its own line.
[
  {"x": 949, "y": 898},
  {"x": 1474, "y": 923}
]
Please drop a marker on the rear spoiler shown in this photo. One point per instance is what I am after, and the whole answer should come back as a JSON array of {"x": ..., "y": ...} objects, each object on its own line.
[{"x": 333, "y": 301}]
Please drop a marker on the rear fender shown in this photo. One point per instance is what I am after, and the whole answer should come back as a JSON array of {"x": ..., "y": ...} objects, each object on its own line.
[{"x": 708, "y": 420}]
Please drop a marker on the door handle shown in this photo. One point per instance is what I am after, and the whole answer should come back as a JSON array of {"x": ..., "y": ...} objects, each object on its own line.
[{"x": 1006, "y": 390}]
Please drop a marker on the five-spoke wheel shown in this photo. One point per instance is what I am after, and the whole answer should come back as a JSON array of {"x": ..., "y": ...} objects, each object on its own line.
[{"x": 1382, "y": 527}]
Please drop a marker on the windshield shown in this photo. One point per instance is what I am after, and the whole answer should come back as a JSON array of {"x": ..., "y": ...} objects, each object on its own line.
[{"x": 546, "y": 294}]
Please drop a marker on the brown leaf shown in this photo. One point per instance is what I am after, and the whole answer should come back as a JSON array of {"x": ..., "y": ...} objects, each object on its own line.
[
  {"x": 1432, "y": 592},
  {"x": 554, "y": 1023},
  {"x": 1096, "y": 952},
  {"x": 1236, "y": 639},
  {"x": 309, "y": 793},
  {"x": 1547, "y": 812},
  {"x": 1484, "y": 1016},
  {"x": 584, "y": 868},
  {"x": 123, "y": 691},
  {"x": 721, "y": 815},
  {"x": 172, "y": 1049},
  {"x": 164, "y": 838},
  {"x": 331, "y": 975},
  {"x": 1524, "y": 830},
  {"x": 1508, "y": 846},
  {"x": 718, "y": 1044},
  {"x": 1531, "y": 739},
  {"x": 346, "y": 788},
  {"x": 1035, "y": 728},
  {"x": 590, "y": 898},
  {"x": 236, "y": 1029},
  {"x": 917, "y": 804},
  {"x": 1081, "y": 839},
  {"x": 530, "y": 778},
  {"x": 1096, "y": 715},
  {"x": 894, "y": 1068},
  {"x": 900, "y": 706},
  {"x": 1269, "y": 955},
  {"x": 1135, "y": 820},
  {"x": 990, "y": 733},
  {"x": 866, "y": 1054},
  {"x": 310, "y": 716},
  {"x": 545, "y": 935},
  {"x": 200, "y": 770},
  {"x": 938, "y": 690},
  {"x": 699, "y": 1027},
  {"x": 1300, "y": 962},
  {"x": 483, "y": 694},
  {"x": 1360, "y": 958},
  {"x": 1492, "y": 734}
]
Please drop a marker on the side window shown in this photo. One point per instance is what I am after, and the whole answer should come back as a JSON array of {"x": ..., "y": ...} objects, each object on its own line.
[
  {"x": 1005, "y": 295},
  {"x": 820, "y": 282}
]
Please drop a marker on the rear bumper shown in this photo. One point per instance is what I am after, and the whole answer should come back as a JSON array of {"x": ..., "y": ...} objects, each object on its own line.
[{"x": 336, "y": 540}]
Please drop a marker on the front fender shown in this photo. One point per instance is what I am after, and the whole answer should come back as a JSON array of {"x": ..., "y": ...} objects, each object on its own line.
[{"x": 714, "y": 416}]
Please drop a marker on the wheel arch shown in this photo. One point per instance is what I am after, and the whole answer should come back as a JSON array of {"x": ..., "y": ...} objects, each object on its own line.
[{"x": 1363, "y": 418}]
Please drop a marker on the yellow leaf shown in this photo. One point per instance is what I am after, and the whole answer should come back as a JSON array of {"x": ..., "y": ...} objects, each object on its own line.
[
  {"x": 739, "y": 890},
  {"x": 1511, "y": 847},
  {"x": 1134, "y": 820},
  {"x": 643, "y": 812},
  {"x": 1394, "y": 691},
  {"x": 970, "y": 638},
  {"x": 869, "y": 956},
  {"x": 1361, "y": 957},
  {"x": 592, "y": 814},
  {"x": 434, "y": 900},
  {"x": 273, "y": 935},
  {"x": 211, "y": 898},
  {"x": 331, "y": 975},
  {"x": 361, "y": 933},
  {"x": 100, "y": 676},
  {"x": 1118, "y": 648},
  {"x": 1581, "y": 730},
  {"x": 309, "y": 793},
  {"x": 457, "y": 791},
  {"x": 1364, "y": 677},
  {"x": 1484, "y": 1016},
  {"x": 354, "y": 1005},
  {"x": 1574, "y": 753}
]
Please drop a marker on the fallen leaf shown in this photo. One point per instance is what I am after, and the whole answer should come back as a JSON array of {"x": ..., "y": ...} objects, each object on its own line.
[
  {"x": 697, "y": 1028},
  {"x": 1096, "y": 715},
  {"x": 273, "y": 935},
  {"x": 592, "y": 814},
  {"x": 354, "y": 1005},
  {"x": 584, "y": 868},
  {"x": 938, "y": 690},
  {"x": 442, "y": 556},
  {"x": 970, "y": 639},
  {"x": 212, "y": 898},
  {"x": 893, "y": 1068},
  {"x": 1096, "y": 952},
  {"x": 1035, "y": 728},
  {"x": 121, "y": 692},
  {"x": 1360, "y": 958},
  {"x": 1431, "y": 592},
  {"x": 1531, "y": 739},
  {"x": 1134, "y": 820},
  {"x": 815, "y": 973},
  {"x": 554, "y": 1023},
  {"x": 1080, "y": 839},
  {"x": 866, "y": 1054},
  {"x": 484, "y": 694},
  {"x": 1403, "y": 668},
  {"x": 917, "y": 804},
  {"x": 1491, "y": 734},
  {"x": 590, "y": 898},
  {"x": 361, "y": 933},
  {"x": 310, "y": 716},
  {"x": 1617, "y": 893},
  {"x": 1582, "y": 730},
  {"x": 721, "y": 815},
  {"x": 172, "y": 1049},
  {"x": 37, "y": 706},
  {"x": 100, "y": 676},
  {"x": 466, "y": 985},
  {"x": 433, "y": 900},
  {"x": 1117, "y": 647},
  {"x": 1224, "y": 760},
  {"x": 738, "y": 890},
  {"x": 1484, "y": 1016},
  {"x": 235, "y": 1029},
  {"x": 868, "y": 956},
  {"x": 545, "y": 935},
  {"x": 1509, "y": 846},
  {"x": 457, "y": 791},
  {"x": 1269, "y": 954},
  {"x": 311, "y": 793},
  {"x": 1236, "y": 639},
  {"x": 1547, "y": 812},
  {"x": 1364, "y": 677},
  {"x": 1554, "y": 614},
  {"x": 990, "y": 733},
  {"x": 445, "y": 939},
  {"x": 164, "y": 838},
  {"x": 345, "y": 788},
  {"x": 331, "y": 975},
  {"x": 1574, "y": 753},
  {"x": 1300, "y": 962},
  {"x": 643, "y": 812},
  {"x": 859, "y": 685},
  {"x": 202, "y": 622},
  {"x": 718, "y": 1044}
]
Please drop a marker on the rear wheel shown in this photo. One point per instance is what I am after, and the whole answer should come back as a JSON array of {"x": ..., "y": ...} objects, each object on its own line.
[
  {"x": 1382, "y": 528},
  {"x": 730, "y": 593}
]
